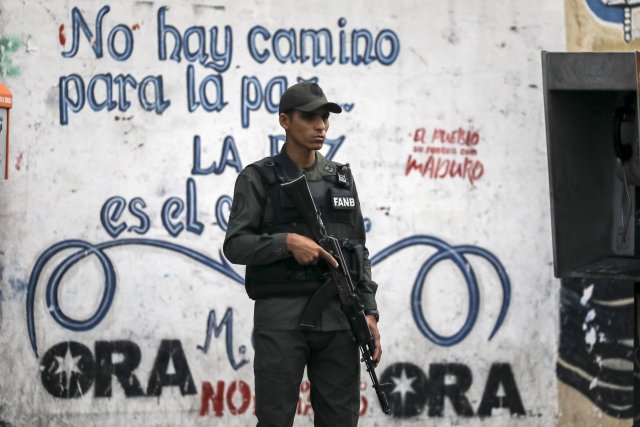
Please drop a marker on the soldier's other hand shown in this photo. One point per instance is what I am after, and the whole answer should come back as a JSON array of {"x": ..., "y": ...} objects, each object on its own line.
[
  {"x": 306, "y": 251},
  {"x": 372, "y": 323}
]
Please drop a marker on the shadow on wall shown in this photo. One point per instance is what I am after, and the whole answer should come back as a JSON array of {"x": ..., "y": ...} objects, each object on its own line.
[{"x": 597, "y": 343}]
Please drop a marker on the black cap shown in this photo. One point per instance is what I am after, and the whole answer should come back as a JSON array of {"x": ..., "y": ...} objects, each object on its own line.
[{"x": 306, "y": 97}]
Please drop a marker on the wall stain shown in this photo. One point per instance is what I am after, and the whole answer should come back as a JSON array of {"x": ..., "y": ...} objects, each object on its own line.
[
  {"x": 8, "y": 46},
  {"x": 19, "y": 161},
  {"x": 61, "y": 37}
]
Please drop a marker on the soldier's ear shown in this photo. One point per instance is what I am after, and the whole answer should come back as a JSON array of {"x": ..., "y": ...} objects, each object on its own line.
[{"x": 284, "y": 120}]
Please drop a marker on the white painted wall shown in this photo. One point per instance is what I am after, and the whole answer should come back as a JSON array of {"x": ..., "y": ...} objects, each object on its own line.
[{"x": 473, "y": 66}]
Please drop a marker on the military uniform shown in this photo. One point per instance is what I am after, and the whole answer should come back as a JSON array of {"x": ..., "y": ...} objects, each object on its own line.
[{"x": 256, "y": 236}]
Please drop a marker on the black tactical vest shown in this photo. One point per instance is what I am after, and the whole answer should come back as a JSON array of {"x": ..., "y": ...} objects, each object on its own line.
[{"x": 337, "y": 202}]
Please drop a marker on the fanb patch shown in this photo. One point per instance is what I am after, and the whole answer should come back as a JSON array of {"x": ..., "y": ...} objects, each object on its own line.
[
  {"x": 342, "y": 199},
  {"x": 343, "y": 202}
]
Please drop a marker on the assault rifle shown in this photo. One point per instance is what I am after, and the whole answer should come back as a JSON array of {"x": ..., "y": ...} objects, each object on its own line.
[{"x": 298, "y": 191}]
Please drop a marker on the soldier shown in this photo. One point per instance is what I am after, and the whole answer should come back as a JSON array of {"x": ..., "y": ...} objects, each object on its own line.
[{"x": 285, "y": 266}]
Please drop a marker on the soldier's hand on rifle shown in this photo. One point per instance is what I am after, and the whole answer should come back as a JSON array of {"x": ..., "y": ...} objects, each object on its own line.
[
  {"x": 306, "y": 251},
  {"x": 377, "y": 348}
]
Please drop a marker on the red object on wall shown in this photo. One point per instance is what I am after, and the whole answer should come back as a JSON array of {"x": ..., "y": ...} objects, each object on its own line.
[{"x": 6, "y": 102}]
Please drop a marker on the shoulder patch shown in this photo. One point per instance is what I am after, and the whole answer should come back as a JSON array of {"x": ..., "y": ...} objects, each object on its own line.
[
  {"x": 266, "y": 161},
  {"x": 328, "y": 168}
]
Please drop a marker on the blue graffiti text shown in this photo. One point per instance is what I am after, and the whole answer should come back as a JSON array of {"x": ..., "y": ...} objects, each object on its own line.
[
  {"x": 253, "y": 96},
  {"x": 317, "y": 46},
  {"x": 195, "y": 37},
  {"x": 73, "y": 93},
  {"x": 171, "y": 216},
  {"x": 95, "y": 39},
  {"x": 200, "y": 98},
  {"x": 215, "y": 329},
  {"x": 228, "y": 157}
]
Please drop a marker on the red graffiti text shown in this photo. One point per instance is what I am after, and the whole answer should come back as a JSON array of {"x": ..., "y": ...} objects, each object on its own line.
[
  {"x": 438, "y": 168},
  {"x": 237, "y": 398},
  {"x": 457, "y": 136}
]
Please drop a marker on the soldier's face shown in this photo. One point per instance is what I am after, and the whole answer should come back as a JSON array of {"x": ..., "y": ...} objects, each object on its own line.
[{"x": 307, "y": 130}]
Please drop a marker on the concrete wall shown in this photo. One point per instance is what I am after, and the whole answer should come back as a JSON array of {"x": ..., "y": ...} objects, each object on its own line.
[{"x": 130, "y": 123}]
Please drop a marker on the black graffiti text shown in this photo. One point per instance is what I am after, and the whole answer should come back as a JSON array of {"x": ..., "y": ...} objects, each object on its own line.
[
  {"x": 410, "y": 390},
  {"x": 69, "y": 369}
]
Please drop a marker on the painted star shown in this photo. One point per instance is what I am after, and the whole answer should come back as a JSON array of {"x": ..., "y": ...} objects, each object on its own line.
[
  {"x": 68, "y": 365},
  {"x": 403, "y": 385}
]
